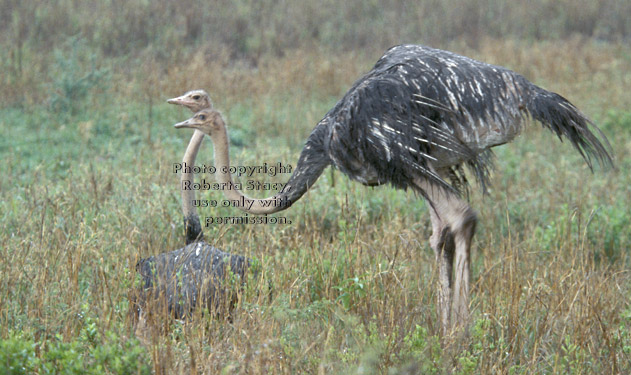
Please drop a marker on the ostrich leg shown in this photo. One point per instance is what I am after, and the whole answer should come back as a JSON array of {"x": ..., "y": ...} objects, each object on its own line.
[
  {"x": 442, "y": 242},
  {"x": 463, "y": 237},
  {"x": 453, "y": 225}
]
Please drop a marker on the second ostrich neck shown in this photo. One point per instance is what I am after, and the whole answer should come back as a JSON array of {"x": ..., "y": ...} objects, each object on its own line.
[{"x": 192, "y": 225}]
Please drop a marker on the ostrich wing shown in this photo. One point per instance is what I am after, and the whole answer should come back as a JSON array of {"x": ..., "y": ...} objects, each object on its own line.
[{"x": 421, "y": 110}]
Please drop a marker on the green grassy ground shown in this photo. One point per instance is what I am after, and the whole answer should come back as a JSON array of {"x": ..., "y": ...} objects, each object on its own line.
[{"x": 88, "y": 189}]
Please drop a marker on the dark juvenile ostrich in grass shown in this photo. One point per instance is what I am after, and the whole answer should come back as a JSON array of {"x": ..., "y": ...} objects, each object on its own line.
[
  {"x": 179, "y": 280},
  {"x": 414, "y": 121}
]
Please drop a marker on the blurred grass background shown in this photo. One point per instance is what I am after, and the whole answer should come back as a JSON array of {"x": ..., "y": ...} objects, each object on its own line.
[{"x": 87, "y": 153}]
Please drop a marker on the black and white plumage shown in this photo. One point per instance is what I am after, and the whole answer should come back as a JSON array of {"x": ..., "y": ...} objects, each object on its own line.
[
  {"x": 179, "y": 281},
  {"x": 414, "y": 121},
  {"x": 420, "y": 110}
]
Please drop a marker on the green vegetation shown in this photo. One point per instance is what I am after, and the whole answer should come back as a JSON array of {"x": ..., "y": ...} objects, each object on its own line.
[
  {"x": 88, "y": 189},
  {"x": 86, "y": 354}
]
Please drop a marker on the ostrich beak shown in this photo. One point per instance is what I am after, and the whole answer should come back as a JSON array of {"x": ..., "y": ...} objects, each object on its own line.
[
  {"x": 186, "y": 124},
  {"x": 180, "y": 100}
]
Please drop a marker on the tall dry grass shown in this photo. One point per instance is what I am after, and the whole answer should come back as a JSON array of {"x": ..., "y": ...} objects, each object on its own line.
[
  {"x": 352, "y": 279},
  {"x": 161, "y": 34}
]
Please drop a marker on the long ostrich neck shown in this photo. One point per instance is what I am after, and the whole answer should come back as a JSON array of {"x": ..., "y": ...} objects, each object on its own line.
[
  {"x": 193, "y": 228},
  {"x": 311, "y": 163}
]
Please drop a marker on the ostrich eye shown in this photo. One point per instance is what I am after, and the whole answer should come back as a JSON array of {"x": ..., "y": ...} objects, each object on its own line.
[
  {"x": 196, "y": 97},
  {"x": 202, "y": 117}
]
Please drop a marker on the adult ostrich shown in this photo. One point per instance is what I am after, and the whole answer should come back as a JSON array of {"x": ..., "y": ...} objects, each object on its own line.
[
  {"x": 195, "y": 100},
  {"x": 414, "y": 121},
  {"x": 179, "y": 280}
]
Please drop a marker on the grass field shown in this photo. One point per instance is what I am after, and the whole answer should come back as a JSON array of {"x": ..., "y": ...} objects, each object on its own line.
[{"x": 88, "y": 189}]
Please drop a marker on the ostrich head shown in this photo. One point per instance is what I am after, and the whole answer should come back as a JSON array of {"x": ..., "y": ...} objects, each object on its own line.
[
  {"x": 195, "y": 100},
  {"x": 208, "y": 121}
]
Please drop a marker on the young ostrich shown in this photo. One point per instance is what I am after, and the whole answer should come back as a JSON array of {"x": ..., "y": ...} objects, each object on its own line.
[
  {"x": 177, "y": 280},
  {"x": 413, "y": 121}
]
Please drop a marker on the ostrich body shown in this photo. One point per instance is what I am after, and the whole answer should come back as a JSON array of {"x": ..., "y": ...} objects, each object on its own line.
[
  {"x": 414, "y": 121},
  {"x": 178, "y": 280}
]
